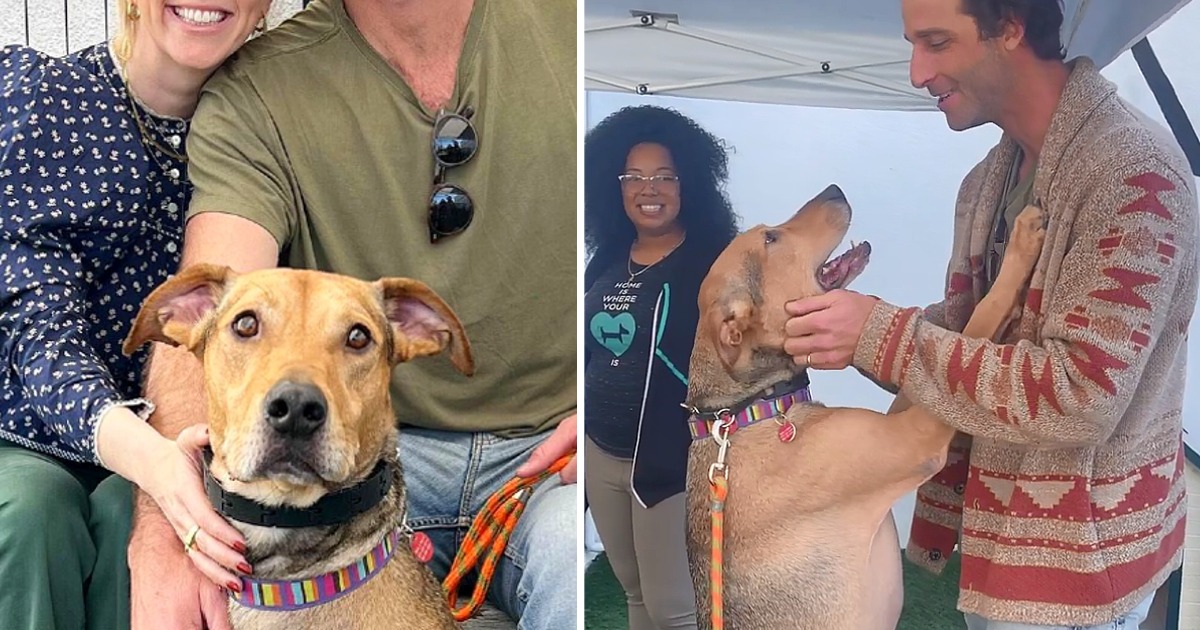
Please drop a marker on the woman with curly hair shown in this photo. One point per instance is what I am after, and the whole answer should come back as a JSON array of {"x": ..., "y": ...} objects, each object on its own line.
[{"x": 655, "y": 218}]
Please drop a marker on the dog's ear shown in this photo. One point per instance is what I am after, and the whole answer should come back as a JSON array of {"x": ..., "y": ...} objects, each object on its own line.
[
  {"x": 176, "y": 312},
  {"x": 736, "y": 312},
  {"x": 423, "y": 324}
]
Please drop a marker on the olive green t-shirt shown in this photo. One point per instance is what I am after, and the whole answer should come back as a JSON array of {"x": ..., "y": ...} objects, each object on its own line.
[
  {"x": 1018, "y": 194},
  {"x": 309, "y": 133}
]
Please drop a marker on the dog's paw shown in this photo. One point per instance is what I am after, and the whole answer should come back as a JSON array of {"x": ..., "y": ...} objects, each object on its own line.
[{"x": 1029, "y": 232}]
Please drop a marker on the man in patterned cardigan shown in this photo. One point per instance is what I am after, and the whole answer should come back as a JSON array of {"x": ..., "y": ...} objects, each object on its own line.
[{"x": 1064, "y": 490}]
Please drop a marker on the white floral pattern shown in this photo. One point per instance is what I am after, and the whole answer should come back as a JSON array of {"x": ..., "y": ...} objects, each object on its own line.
[{"x": 91, "y": 220}]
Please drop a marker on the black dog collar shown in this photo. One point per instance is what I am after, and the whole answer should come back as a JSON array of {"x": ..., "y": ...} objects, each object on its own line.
[{"x": 331, "y": 509}]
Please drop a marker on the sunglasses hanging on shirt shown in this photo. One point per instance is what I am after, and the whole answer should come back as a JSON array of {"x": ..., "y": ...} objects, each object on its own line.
[{"x": 455, "y": 142}]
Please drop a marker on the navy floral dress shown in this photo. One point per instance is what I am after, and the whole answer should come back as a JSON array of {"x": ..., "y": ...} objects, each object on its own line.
[{"x": 91, "y": 220}]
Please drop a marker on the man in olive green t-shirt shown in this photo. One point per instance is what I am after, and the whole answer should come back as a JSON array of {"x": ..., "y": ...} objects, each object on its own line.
[{"x": 312, "y": 149}]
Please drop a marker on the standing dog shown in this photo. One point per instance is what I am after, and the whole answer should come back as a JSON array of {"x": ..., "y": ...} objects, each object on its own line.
[
  {"x": 809, "y": 540},
  {"x": 296, "y": 372}
]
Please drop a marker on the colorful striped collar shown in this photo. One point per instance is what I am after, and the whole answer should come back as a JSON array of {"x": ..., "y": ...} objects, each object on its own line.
[
  {"x": 701, "y": 425},
  {"x": 300, "y": 594}
]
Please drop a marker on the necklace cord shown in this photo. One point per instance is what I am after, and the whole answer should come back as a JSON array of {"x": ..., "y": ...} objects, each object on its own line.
[
  {"x": 149, "y": 142},
  {"x": 629, "y": 260}
]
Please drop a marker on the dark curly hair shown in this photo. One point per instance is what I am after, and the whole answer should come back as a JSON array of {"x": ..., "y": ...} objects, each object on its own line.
[{"x": 701, "y": 162}]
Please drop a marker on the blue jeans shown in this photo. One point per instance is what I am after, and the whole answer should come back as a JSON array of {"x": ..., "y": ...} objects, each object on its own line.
[
  {"x": 449, "y": 476},
  {"x": 1130, "y": 621}
]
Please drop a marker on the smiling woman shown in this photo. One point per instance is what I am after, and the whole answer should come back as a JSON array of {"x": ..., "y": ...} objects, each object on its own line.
[
  {"x": 655, "y": 216},
  {"x": 93, "y": 154},
  {"x": 194, "y": 36}
]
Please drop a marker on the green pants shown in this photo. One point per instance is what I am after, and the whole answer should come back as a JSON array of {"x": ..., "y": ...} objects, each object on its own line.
[{"x": 63, "y": 532}]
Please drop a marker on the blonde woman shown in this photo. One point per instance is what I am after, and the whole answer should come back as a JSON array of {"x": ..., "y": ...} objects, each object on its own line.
[{"x": 93, "y": 187}]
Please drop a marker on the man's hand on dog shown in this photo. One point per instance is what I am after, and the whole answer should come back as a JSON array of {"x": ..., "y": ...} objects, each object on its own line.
[
  {"x": 168, "y": 591},
  {"x": 561, "y": 442},
  {"x": 823, "y": 331}
]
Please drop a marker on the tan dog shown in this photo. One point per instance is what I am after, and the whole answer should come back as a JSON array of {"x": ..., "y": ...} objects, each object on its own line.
[
  {"x": 296, "y": 371},
  {"x": 809, "y": 540}
]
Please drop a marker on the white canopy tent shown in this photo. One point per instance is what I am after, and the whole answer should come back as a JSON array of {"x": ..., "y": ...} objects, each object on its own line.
[{"x": 848, "y": 53}]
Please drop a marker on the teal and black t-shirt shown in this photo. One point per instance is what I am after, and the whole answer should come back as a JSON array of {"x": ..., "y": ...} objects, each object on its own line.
[{"x": 619, "y": 315}]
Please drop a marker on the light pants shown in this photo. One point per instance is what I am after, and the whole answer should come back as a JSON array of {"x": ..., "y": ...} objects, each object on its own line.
[{"x": 647, "y": 548}]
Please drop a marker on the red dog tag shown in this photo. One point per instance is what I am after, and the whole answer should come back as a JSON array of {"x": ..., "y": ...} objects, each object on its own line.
[
  {"x": 787, "y": 431},
  {"x": 422, "y": 547}
]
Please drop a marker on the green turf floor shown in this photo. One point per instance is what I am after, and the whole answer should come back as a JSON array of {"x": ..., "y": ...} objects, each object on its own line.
[{"x": 928, "y": 600}]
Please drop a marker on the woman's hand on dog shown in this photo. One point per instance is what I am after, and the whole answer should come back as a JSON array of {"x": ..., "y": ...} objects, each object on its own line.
[{"x": 178, "y": 488}]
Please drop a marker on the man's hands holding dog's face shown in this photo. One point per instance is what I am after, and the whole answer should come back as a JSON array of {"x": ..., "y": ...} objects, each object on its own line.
[
  {"x": 823, "y": 331},
  {"x": 561, "y": 442}
]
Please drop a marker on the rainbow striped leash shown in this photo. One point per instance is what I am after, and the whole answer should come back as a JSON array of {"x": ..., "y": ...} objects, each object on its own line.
[{"x": 301, "y": 594}]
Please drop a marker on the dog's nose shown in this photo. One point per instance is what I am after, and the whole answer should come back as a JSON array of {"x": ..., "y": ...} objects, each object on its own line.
[
  {"x": 295, "y": 409},
  {"x": 832, "y": 193}
]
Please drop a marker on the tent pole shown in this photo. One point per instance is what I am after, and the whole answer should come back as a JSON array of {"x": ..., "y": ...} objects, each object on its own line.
[{"x": 1168, "y": 101}]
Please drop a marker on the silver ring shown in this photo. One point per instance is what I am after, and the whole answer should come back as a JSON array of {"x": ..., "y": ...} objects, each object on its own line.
[{"x": 808, "y": 359}]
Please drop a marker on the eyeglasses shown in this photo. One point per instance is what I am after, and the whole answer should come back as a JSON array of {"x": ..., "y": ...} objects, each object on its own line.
[
  {"x": 455, "y": 142},
  {"x": 632, "y": 179}
]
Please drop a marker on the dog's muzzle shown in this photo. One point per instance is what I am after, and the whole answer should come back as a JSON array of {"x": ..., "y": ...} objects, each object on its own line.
[{"x": 295, "y": 410}]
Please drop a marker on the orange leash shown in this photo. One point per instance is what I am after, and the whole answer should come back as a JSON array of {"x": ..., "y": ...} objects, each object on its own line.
[
  {"x": 720, "y": 489},
  {"x": 718, "y": 478},
  {"x": 488, "y": 536}
]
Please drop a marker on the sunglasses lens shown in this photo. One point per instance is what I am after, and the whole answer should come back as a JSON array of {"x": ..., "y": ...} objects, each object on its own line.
[
  {"x": 450, "y": 211},
  {"x": 454, "y": 140}
]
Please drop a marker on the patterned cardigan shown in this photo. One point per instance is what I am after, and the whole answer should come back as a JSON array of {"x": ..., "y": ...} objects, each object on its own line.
[{"x": 1067, "y": 502}]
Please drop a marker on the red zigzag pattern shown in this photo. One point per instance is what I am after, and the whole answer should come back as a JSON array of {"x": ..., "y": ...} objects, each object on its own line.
[
  {"x": 1153, "y": 184},
  {"x": 1125, "y": 292},
  {"x": 1092, "y": 362}
]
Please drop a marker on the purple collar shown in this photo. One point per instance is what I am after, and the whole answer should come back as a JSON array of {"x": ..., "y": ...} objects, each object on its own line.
[{"x": 300, "y": 594}]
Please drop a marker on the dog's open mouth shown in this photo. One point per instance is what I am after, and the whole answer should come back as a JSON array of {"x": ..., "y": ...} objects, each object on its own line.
[{"x": 839, "y": 272}]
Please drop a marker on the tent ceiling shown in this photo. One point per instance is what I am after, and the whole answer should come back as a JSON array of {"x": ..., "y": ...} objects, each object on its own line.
[{"x": 848, "y": 53}]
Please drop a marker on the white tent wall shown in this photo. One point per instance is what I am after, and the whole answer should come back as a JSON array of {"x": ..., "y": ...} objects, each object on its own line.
[{"x": 60, "y": 26}]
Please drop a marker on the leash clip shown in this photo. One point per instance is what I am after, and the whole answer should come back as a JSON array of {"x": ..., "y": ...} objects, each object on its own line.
[
  {"x": 721, "y": 435},
  {"x": 715, "y": 468}
]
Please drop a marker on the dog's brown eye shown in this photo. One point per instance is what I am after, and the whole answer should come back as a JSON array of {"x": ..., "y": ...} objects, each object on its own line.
[
  {"x": 770, "y": 236},
  {"x": 246, "y": 325},
  {"x": 358, "y": 338}
]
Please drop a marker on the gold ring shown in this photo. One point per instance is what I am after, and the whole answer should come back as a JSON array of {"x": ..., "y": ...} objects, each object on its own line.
[
  {"x": 808, "y": 359},
  {"x": 190, "y": 539}
]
